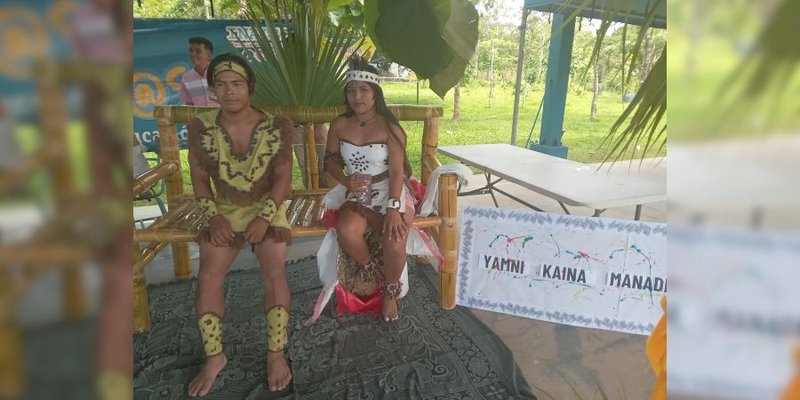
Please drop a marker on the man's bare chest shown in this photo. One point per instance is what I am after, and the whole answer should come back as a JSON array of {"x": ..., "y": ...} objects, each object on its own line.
[{"x": 240, "y": 137}]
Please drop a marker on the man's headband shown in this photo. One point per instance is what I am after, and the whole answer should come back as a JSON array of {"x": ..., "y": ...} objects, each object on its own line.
[
  {"x": 231, "y": 66},
  {"x": 361, "y": 76}
]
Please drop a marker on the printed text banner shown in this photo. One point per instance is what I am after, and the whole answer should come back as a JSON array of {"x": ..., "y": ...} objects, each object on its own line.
[{"x": 582, "y": 271}]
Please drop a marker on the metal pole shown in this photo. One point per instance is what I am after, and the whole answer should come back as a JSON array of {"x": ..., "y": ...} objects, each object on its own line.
[{"x": 520, "y": 64}]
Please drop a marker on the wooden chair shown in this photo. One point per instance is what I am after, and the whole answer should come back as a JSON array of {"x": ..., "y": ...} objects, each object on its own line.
[{"x": 183, "y": 219}]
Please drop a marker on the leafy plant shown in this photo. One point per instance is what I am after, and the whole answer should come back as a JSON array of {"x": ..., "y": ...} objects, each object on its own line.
[
  {"x": 643, "y": 116},
  {"x": 434, "y": 38},
  {"x": 304, "y": 56}
]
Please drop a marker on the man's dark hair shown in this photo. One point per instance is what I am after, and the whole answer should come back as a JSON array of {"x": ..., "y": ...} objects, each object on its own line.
[
  {"x": 251, "y": 77},
  {"x": 203, "y": 41}
]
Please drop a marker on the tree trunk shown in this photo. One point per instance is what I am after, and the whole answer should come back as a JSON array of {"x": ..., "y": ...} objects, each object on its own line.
[
  {"x": 457, "y": 102},
  {"x": 491, "y": 76},
  {"x": 596, "y": 89},
  {"x": 647, "y": 57},
  {"x": 243, "y": 9},
  {"x": 477, "y": 57},
  {"x": 540, "y": 69},
  {"x": 207, "y": 4}
]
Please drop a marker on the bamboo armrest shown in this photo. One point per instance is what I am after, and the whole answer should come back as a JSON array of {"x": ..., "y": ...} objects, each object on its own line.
[{"x": 153, "y": 175}]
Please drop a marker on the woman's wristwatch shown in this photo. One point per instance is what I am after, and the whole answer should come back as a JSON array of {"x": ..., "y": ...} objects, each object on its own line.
[{"x": 393, "y": 203}]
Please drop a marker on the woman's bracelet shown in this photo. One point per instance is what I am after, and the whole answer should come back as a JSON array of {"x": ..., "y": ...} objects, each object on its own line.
[{"x": 393, "y": 203}]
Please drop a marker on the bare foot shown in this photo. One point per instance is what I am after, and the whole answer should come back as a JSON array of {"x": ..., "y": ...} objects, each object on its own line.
[
  {"x": 202, "y": 382},
  {"x": 389, "y": 310},
  {"x": 278, "y": 373}
]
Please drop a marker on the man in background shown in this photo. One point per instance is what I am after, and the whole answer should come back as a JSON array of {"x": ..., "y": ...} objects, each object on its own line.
[{"x": 194, "y": 87}]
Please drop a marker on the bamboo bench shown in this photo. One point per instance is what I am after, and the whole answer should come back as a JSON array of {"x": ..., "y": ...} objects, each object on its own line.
[{"x": 180, "y": 225}]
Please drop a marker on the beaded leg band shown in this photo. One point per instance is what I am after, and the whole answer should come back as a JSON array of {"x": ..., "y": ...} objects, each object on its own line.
[
  {"x": 211, "y": 332},
  {"x": 277, "y": 328},
  {"x": 391, "y": 291}
]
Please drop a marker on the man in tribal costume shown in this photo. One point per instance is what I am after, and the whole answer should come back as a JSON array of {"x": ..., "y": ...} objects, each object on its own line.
[{"x": 247, "y": 155}]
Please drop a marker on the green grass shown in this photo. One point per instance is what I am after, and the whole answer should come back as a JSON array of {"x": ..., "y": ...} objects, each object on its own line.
[{"x": 484, "y": 123}]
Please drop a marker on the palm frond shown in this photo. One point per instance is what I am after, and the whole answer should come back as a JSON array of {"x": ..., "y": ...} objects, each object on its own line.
[
  {"x": 605, "y": 24},
  {"x": 303, "y": 59},
  {"x": 642, "y": 118},
  {"x": 648, "y": 108},
  {"x": 651, "y": 14}
]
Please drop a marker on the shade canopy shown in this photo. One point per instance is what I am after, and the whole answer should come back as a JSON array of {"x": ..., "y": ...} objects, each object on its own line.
[
  {"x": 652, "y": 13},
  {"x": 631, "y": 11}
]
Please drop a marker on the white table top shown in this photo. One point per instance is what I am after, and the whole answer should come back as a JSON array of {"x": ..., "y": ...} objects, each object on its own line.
[{"x": 569, "y": 182}]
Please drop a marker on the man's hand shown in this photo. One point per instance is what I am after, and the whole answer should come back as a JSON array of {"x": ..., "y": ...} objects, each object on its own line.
[
  {"x": 221, "y": 233},
  {"x": 394, "y": 225},
  {"x": 256, "y": 230}
]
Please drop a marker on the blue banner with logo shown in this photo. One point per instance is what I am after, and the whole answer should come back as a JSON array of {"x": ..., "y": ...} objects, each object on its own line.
[{"x": 161, "y": 57}]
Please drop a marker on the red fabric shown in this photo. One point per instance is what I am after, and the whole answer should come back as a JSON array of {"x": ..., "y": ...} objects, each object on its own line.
[
  {"x": 418, "y": 187},
  {"x": 330, "y": 218},
  {"x": 349, "y": 303}
]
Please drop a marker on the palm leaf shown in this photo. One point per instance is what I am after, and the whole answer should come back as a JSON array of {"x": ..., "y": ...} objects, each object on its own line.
[
  {"x": 648, "y": 108},
  {"x": 434, "y": 38},
  {"x": 642, "y": 117},
  {"x": 303, "y": 59},
  {"x": 651, "y": 14}
]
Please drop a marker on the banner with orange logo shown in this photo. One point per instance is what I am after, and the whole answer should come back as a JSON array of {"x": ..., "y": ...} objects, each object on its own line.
[{"x": 160, "y": 58}]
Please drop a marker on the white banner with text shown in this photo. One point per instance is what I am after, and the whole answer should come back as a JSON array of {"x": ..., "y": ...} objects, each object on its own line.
[{"x": 581, "y": 271}]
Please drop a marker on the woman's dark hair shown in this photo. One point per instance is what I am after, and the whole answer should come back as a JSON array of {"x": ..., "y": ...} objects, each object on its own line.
[
  {"x": 361, "y": 64},
  {"x": 251, "y": 77}
]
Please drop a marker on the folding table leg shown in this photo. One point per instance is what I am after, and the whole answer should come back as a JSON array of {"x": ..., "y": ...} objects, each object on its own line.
[{"x": 490, "y": 185}]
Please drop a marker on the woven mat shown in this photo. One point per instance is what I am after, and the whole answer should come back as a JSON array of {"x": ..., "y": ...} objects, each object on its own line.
[{"x": 429, "y": 353}]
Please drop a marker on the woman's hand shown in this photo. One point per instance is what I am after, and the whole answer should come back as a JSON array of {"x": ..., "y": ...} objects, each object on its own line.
[
  {"x": 394, "y": 225},
  {"x": 221, "y": 233}
]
